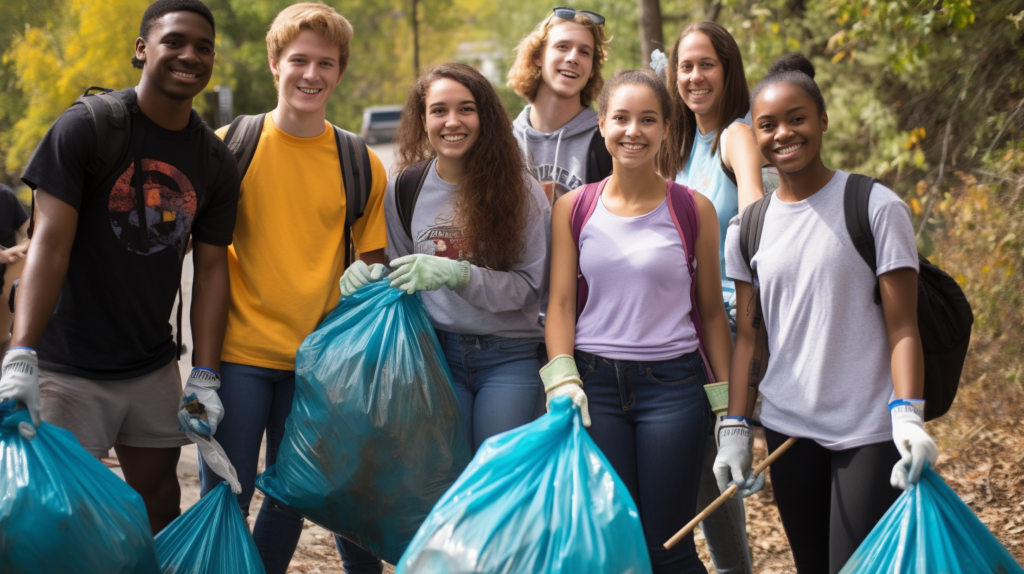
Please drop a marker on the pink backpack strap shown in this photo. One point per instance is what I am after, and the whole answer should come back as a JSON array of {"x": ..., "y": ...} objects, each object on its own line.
[
  {"x": 683, "y": 207},
  {"x": 582, "y": 208}
]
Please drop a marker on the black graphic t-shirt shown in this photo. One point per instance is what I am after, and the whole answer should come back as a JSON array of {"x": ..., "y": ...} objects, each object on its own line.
[
  {"x": 12, "y": 217},
  {"x": 112, "y": 319}
]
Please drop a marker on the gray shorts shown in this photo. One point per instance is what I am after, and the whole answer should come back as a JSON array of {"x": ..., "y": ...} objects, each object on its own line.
[{"x": 141, "y": 412}]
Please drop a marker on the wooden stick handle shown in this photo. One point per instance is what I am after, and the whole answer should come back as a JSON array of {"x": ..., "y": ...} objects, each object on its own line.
[{"x": 727, "y": 494}]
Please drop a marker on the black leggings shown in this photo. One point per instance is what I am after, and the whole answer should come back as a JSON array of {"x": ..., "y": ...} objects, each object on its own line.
[{"x": 830, "y": 500}]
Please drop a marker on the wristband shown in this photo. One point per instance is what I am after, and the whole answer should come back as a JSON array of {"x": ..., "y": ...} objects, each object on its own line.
[
  {"x": 745, "y": 420},
  {"x": 22, "y": 348},
  {"x": 204, "y": 370}
]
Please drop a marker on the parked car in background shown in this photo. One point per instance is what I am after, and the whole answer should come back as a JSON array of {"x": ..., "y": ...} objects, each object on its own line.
[{"x": 380, "y": 123}]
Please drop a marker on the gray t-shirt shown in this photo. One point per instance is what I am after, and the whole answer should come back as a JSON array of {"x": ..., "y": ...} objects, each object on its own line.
[
  {"x": 502, "y": 303},
  {"x": 829, "y": 376}
]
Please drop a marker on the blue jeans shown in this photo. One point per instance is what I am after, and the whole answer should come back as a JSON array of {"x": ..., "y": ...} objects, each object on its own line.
[
  {"x": 497, "y": 381},
  {"x": 258, "y": 399},
  {"x": 651, "y": 420}
]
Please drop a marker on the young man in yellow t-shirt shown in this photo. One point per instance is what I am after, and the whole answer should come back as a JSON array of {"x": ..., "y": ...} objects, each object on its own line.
[{"x": 286, "y": 261}]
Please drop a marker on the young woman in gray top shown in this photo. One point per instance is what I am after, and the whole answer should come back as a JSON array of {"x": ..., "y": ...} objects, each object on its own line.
[
  {"x": 837, "y": 358},
  {"x": 478, "y": 247}
]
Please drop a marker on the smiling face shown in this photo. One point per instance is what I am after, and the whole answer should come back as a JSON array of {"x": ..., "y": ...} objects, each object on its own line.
[
  {"x": 700, "y": 76},
  {"x": 634, "y": 125},
  {"x": 451, "y": 120},
  {"x": 177, "y": 55},
  {"x": 307, "y": 72},
  {"x": 788, "y": 126},
  {"x": 567, "y": 62}
]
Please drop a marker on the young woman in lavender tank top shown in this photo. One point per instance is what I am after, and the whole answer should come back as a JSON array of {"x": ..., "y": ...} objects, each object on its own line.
[{"x": 632, "y": 358}]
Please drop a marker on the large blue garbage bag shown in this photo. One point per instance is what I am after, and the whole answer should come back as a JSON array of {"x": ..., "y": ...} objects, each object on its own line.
[
  {"x": 61, "y": 510},
  {"x": 539, "y": 498},
  {"x": 928, "y": 530},
  {"x": 374, "y": 437},
  {"x": 210, "y": 538}
]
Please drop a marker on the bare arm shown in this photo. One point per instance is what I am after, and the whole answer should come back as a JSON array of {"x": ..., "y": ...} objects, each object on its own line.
[
  {"x": 740, "y": 403},
  {"x": 899, "y": 305},
  {"x": 560, "y": 322},
  {"x": 375, "y": 256},
  {"x": 45, "y": 269},
  {"x": 210, "y": 297},
  {"x": 715, "y": 324},
  {"x": 744, "y": 159}
]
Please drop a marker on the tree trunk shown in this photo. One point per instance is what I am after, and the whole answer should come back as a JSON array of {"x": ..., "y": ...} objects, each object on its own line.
[
  {"x": 650, "y": 28},
  {"x": 415, "y": 43}
]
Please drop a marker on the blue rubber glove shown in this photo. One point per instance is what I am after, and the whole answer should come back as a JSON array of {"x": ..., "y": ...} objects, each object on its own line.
[
  {"x": 735, "y": 456},
  {"x": 420, "y": 272},
  {"x": 358, "y": 275},
  {"x": 20, "y": 382},
  {"x": 201, "y": 410}
]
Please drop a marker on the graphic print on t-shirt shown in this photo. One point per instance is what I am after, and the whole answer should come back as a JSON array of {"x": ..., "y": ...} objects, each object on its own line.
[
  {"x": 444, "y": 240},
  {"x": 556, "y": 181},
  {"x": 170, "y": 208}
]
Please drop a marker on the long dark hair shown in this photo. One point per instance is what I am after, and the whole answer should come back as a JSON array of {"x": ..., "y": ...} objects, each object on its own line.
[
  {"x": 492, "y": 200},
  {"x": 734, "y": 103}
]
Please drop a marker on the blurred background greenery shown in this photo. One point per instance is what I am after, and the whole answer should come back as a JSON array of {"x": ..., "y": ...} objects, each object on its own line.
[{"x": 926, "y": 95}]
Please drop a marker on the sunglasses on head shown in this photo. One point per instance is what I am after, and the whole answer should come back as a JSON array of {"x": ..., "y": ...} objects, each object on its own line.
[{"x": 566, "y": 13}]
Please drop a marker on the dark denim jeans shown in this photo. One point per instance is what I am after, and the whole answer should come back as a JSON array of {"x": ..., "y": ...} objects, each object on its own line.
[
  {"x": 497, "y": 381},
  {"x": 651, "y": 420},
  {"x": 257, "y": 399}
]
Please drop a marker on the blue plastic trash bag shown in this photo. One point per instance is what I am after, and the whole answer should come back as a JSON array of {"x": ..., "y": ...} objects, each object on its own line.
[
  {"x": 61, "y": 510},
  {"x": 539, "y": 498},
  {"x": 927, "y": 530},
  {"x": 374, "y": 437},
  {"x": 210, "y": 538}
]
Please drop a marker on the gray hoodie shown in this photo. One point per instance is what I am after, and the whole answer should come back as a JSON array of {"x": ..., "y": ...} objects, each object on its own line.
[
  {"x": 502, "y": 303},
  {"x": 558, "y": 160}
]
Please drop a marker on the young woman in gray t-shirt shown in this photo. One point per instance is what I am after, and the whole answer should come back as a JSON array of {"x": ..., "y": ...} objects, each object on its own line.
[{"x": 837, "y": 358}]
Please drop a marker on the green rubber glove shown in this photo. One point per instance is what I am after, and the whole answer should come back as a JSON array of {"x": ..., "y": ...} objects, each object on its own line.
[
  {"x": 561, "y": 378},
  {"x": 420, "y": 272}
]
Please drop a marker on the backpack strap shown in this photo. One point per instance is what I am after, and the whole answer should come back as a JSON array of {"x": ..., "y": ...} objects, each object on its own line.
[
  {"x": 242, "y": 138},
  {"x": 582, "y": 208},
  {"x": 357, "y": 177},
  {"x": 856, "y": 196},
  {"x": 682, "y": 205},
  {"x": 599, "y": 160},
  {"x": 407, "y": 191}
]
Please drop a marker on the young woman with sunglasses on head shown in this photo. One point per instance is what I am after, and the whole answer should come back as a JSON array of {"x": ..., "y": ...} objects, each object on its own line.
[
  {"x": 711, "y": 149},
  {"x": 837, "y": 358},
  {"x": 478, "y": 249},
  {"x": 558, "y": 70},
  {"x": 635, "y": 348}
]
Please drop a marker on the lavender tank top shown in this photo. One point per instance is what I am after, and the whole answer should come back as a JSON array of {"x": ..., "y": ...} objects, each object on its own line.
[{"x": 639, "y": 305}]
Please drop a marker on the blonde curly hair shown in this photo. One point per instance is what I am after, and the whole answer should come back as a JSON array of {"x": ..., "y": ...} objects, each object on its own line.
[{"x": 525, "y": 77}]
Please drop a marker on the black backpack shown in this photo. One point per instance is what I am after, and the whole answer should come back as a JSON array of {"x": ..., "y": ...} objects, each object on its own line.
[
  {"x": 244, "y": 135},
  {"x": 111, "y": 112},
  {"x": 944, "y": 316},
  {"x": 410, "y": 181}
]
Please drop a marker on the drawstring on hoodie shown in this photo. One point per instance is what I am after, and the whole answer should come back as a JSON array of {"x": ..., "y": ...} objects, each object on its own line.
[{"x": 554, "y": 171}]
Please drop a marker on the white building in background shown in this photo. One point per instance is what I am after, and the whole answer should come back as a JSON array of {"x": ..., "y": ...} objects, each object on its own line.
[{"x": 486, "y": 56}]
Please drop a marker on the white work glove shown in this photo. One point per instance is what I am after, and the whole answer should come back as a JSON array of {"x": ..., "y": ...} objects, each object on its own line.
[
  {"x": 915, "y": 445},
  {"x": 421, "y": 272},
  {"x": 359, "y": 274},
  {"x": 735, "y": 456},
  {"x": 201, "y": 409},
  {"x": 19, "y": 381},
  {"x": 659, "y": 63},
  {"x": 561, "y": 378}
]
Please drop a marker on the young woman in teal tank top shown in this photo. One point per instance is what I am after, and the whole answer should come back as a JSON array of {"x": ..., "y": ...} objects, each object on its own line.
[{"x": 712, "y": 149}]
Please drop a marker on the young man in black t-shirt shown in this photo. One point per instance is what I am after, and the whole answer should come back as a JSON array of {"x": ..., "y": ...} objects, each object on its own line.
[{"x": 98, "y": 287}]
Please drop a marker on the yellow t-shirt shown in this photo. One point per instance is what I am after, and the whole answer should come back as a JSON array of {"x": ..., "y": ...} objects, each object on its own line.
[{"x": 288, "y": 252}]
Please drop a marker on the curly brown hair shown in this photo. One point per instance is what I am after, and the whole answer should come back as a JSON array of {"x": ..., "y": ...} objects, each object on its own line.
[
  {"x": 734, "y": 102},
  {"x": 524, "y": 76},
  {"x": 492, "y": 200}
]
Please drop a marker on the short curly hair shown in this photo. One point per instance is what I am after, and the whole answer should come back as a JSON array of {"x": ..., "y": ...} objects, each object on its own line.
[{"x": 525, "y": 77}]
